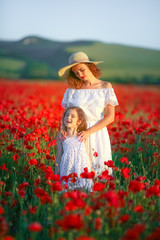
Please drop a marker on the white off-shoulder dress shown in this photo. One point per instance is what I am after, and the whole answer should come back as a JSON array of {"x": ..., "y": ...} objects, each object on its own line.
[{"x": 93, "y": 102}]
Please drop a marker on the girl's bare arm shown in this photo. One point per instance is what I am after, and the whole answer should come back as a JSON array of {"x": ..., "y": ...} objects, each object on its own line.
[
  {"x": 58, "y": 157},
  {"x": 62, "y": 134}
]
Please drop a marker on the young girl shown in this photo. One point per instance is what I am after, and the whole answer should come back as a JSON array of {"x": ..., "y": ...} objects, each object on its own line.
[{"x": 72, "y": 155}]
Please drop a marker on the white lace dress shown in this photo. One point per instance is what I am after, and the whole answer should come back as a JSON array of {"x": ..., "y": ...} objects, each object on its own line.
[
  {"x": 93, "y": 102},
  {"x": 74, "y": 160}
]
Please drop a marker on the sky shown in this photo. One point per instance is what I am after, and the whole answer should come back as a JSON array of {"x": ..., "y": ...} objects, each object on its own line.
[{"x": 127, "y": 22}]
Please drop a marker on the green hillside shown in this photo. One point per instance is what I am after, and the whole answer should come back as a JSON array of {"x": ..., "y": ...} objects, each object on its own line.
[{"x": 34, "y": 57}]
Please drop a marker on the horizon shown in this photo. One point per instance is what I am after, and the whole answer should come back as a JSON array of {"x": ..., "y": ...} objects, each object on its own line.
[{"x": 77, "y": 40}]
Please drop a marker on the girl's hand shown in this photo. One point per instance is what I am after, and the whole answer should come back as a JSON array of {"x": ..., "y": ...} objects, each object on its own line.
[
  {"x": 62, "y": 135},
  {"x": 82, "y": 136}
]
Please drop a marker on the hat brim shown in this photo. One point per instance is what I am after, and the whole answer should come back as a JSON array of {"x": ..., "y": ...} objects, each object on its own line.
[{"x": 64, "y": 71}]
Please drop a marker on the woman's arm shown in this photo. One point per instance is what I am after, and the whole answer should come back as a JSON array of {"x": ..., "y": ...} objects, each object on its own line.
[
  {"x": 109, "y": 118},
  {"x": 86, "y": 146},
  {"x": 58, "y": 157}
]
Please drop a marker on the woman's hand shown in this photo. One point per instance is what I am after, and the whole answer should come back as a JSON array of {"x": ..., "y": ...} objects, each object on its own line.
[
  {"x": 62, "y": 136},
  {"x": 82, "y": 136}
]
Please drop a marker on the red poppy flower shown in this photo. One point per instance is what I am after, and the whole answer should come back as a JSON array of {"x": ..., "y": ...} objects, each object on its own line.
[
  {"x": 87, "y": 174},
  {"x": 15, "y": 158},
  {"x": 8, "y": 238},
  {"x": 112, "y": 198},
  {"x": 46, "y": 199},
  {"x": 32, "y": 162},
  {"x": 155, "y": 234},
  {"x": 1, "y": 210},
  {"x": 3, "y": 226},
  {"x": 33, "y": 209},
  {"x": 22, "y": 193},
  {"x": 124, "y": 160},
  {"x": 72, "y": 221},
  {"x": 157, "y": 183},
  {"x": 35, "y": 227},
  {"x": 65, "y": 178},
  {"x": 73, "y": 205},
  {"x": 53, "y": 177},
  {"x": 14, "y": 203},
  {"x": 105, "y": 174},
  {"x": 98, "y": 187},
  {"x": 73, "y": 175},
  {"x": 109, "y": 163},
  {"x": 136, "y": 186},
  {"x": 155, "y": 154},
  {"x": 124, "y": 218},
  {"x": 3, "y": 167},
  {"x": 98, "y": 223},
  {"x": 40, "y": 192},
  {"x": 23, "y": 186},
  {"x": 30, "y": 154},
  {"x": 6, "y": 194},
  {"x": 140, "y": 149},
  {"x": 83, "y": 237},
  {"x": 56, "y": 186},
  {"x": 10, "y": 148},
  {"x": 95, "y": 154},
  {"x": 37, "y": 181},
  {"x": 125, "y": 172},
  {"x": 139, "y": 228},
  {"x": 134, "y": 232},
  {"x": 52, "y": 143},
  {"x": 139, "y": 209},
  {"x": 29, "y": 147},
  {"x": 140, "y": 178},
  {"x": 153, "y": 191},
  {"x": 130, "y": 234},
  {"x": 87, "y": 211}
]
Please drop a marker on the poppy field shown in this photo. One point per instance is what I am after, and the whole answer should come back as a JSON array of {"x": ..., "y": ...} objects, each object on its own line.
[{"x": 34, "y": 205}]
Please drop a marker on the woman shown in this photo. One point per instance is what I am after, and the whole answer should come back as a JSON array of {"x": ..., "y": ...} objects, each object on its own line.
[{"x": 95, "y": 97}]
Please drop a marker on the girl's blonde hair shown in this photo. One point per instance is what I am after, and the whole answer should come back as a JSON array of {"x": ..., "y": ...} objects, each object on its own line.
[
  {"x": 76, "y": 83},
  {"x": 81, "y": 116}
]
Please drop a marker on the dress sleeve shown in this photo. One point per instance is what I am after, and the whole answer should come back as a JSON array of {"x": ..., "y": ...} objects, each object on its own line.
[
  {"x": 65, "y": 99},
  {"x": 110, "y": 98}
]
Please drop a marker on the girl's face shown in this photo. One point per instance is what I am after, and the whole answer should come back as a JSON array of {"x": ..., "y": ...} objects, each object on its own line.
[
  {"x": 82, "y": 71},
  {"x": 71, "y": 119}
]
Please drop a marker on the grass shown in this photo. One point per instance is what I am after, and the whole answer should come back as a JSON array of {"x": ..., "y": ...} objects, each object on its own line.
[{"x": 11, "y": 64}]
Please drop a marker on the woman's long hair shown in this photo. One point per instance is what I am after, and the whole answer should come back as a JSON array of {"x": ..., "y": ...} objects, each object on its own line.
[{"x": 76, "y": 83}]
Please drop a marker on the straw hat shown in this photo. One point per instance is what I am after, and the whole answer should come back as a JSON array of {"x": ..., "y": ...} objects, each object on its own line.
[{"x": 75, "y": 58}]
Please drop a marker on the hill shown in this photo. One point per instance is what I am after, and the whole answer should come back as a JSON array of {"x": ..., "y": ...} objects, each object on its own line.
[{"x": 34, "y": 57}]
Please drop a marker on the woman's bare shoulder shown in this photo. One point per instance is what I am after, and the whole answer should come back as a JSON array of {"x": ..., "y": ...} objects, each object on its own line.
[{"x": 107, "y": 85}]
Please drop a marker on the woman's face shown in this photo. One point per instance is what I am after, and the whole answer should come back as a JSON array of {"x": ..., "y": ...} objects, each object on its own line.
[{"x": 82, "y": 71}]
